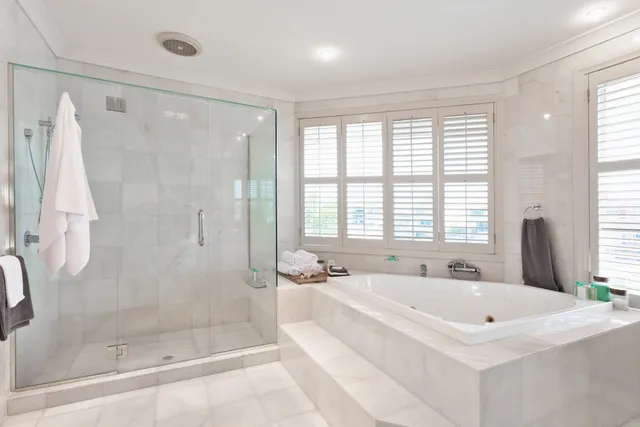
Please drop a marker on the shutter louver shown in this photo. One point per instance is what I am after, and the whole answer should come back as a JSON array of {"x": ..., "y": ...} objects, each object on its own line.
[
  {"x": 466, "y": 144},
  {"x": 364, "y": 149},
  {"x": 618, "y": 188},
  {"x": 413, "y": 212},
  {"x": 413, "y": 147},
  {"x": 321, "y": 210},
  {"x": 364, "y": 211},
  {"x": 466, "y": 212},
  {"x": 321, "y": 151}
]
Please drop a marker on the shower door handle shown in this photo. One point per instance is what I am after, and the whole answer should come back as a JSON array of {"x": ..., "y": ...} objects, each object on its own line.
[{"x": 201, "y": 227}]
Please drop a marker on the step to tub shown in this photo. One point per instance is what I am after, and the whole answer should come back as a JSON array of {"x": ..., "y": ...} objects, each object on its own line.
[{"x": 347, "y": 389}]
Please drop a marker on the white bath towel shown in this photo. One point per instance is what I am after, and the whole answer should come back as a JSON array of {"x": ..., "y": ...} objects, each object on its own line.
[
  {"x": 67, "y": 205},
  {"x": 12, "y": 271},
  {"x": 307, "y": 257},
  {"x": 291, "y": 258},
  {"x": 286, "y": 268}
]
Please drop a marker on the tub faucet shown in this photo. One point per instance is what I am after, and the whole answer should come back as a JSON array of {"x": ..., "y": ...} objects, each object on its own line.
[{"x": 423, "y": 270}]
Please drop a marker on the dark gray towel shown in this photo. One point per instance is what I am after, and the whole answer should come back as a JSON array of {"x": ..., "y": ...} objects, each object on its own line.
[
  {"x": 20, "y": 315},
  {"x": 537, "y": 262}
]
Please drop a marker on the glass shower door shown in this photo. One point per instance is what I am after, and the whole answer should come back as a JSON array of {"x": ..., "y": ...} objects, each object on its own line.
[{"x": 163, "y": 284}]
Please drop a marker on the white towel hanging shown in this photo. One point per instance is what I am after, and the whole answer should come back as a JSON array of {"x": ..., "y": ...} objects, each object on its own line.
[
  {"x": 14, "y": 285},
  {"x": 67, "y": 205}
]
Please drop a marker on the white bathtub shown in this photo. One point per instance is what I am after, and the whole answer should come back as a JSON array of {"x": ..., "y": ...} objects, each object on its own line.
[{"x": 460, "y": 308}]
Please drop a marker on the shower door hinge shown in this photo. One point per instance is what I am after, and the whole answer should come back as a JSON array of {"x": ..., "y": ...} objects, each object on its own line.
[
  {"x": 588, "y": 96},
  {"x": 495, "y": 240},
  {"x": 117, "y": 351},
  {"x": 494, "y": 118}
]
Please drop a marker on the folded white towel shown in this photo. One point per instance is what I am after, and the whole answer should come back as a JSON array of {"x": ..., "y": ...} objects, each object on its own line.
[
  {"x": 13, "y": 279},
  {"x": 291, "y": 258},
  {"x": 310, "y": 270},
  {"x": 286, "y": 268},
  {"x": 307, "y": 257},
  {"x": 67, "y": 205}
]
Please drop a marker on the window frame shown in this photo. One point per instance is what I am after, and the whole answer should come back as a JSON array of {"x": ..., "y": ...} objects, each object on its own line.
[
  {"x": 594, "y": 79},
  {"x": 493, "y": 249},
  {"x": 443, "y": 179},
  {"x": 355, "y": 119},
  {"x": 391, "y": 179},
  {"x": 322, "y": 121}
]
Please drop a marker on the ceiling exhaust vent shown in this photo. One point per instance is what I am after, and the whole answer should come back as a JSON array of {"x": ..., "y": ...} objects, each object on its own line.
[{"x": 180, "y": 44}]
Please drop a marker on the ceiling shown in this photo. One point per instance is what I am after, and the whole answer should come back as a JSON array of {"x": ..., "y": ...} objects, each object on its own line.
[{"x": 266, "y": 47}]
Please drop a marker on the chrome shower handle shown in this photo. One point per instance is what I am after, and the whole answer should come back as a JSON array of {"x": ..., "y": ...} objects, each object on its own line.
[{"x": 201, "y": 227}]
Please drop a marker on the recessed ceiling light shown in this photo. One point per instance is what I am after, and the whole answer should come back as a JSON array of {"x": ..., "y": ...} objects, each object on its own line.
[
  {"x": 546, "y": 116},
  {"x": 596, "y": 14},
  {"x": 327, "y": 53}
]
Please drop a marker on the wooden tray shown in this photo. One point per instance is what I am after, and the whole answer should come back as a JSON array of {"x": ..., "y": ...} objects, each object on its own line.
[{"x": 299, "y": 280}]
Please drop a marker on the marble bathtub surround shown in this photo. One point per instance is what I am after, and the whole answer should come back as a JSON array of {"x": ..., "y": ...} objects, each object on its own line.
[{"x": 525, "y": 380}]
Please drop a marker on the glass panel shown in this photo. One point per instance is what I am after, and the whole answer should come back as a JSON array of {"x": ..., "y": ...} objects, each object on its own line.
[
  {"x": 163, "y": 289},
  {"x": 75, "y": 317},
  {"x": 262, "y": 228}
]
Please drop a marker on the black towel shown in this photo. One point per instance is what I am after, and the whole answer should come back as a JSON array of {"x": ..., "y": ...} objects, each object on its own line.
[
  {"x": 20, "y": 315},
  {"x": 537, "y": 262}
]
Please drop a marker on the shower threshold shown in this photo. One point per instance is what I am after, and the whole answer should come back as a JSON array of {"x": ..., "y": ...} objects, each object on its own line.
[{"x": 49, "y": 396}]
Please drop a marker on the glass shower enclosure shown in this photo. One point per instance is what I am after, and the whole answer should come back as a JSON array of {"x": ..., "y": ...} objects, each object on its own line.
[{"x": 183, "y": 255}]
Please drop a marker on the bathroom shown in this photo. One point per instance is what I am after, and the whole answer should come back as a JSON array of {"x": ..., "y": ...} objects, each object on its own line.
[{"x": 204, "y": 170}]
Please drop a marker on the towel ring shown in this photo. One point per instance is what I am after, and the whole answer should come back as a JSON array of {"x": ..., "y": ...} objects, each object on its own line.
[{"x": 535, "y": 207}]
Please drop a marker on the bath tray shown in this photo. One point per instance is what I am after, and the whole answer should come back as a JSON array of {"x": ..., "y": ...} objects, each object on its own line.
[{"x": 299, "y": 280}]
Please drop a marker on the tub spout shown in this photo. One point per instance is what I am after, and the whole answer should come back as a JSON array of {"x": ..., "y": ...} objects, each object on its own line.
[{"x": 423, "y": 270}]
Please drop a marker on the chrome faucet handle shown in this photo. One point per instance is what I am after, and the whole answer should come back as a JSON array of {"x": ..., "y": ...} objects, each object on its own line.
[{"x": 423, "y": 270}]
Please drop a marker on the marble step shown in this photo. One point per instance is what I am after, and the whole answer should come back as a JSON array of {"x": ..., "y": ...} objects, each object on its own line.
[{"x": 346, "y": 388}]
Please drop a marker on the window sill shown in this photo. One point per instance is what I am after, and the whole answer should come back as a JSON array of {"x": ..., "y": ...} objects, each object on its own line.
[{"x": 403, "y": 253}]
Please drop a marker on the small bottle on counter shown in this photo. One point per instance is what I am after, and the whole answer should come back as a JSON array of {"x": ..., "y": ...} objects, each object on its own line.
[
  {"x": 592, "y": 293},
  {"x": 619, "y": 298},
  {"x": 580, "y": 291}
]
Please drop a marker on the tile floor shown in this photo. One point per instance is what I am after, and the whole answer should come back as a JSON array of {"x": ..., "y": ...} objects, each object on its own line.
[
  {"x": 261, "y": 396},
  {"x": 148, "y": 351}
]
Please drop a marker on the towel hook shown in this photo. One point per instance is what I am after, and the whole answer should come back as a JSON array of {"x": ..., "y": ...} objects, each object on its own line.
[{"x": 536, "y": 207}]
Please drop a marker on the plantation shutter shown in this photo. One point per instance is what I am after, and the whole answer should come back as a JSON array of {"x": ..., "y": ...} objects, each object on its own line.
[
  {"x": 615, "y": 128},
  {"x": 466, "y": 178},
  {"x": 320, "y": 181},
  {"x": 412, "y": 177},
  {"x": 364, "y": 187}
]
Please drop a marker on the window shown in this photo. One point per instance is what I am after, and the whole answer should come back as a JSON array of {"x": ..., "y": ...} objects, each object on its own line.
[
  {"x": 419, "y": 180},
  {"x": 614, "y": 121}
]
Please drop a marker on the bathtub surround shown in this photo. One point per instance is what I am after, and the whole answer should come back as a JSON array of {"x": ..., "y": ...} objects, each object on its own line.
[{"x": 341, "y": 348}]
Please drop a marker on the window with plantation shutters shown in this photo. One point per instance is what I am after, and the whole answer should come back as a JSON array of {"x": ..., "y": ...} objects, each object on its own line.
[
  {"x": 412, "y": 136},
  {"x": 411, "y": 180},
  {"x": 615, "y": 182},
  {"x": 320, "y": 180},
  {"x": 466, "y": 178},
  {"x": 364, "y": 185}
]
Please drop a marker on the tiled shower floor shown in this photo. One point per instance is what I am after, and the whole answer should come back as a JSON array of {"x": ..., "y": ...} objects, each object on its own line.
[
  {"x": 262, "y": 396},
  {"x": 149, "y": 351}
]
